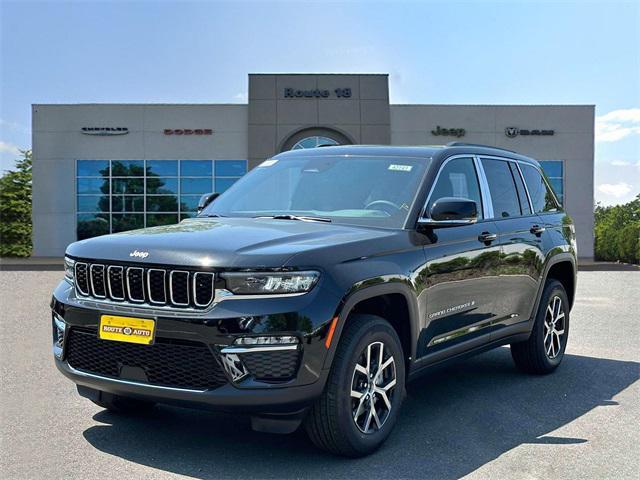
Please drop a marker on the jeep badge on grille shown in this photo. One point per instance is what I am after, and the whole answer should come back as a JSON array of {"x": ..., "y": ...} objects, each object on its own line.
[{"x": 137, "y": 253}]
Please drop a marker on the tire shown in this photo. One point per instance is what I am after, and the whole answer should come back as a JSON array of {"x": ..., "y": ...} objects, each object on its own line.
[
  {"x": 119, "y": 404},
  {"x": 330, "y": 423},
  {"x": 541, "y": 353}
]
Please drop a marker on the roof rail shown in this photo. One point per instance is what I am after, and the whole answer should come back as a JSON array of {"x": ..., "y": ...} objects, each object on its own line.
[{"x": 463, "y": 144}]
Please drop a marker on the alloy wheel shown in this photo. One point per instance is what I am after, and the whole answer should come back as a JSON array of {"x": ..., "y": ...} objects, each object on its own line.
[
  {"x": 554, "y": 327},
  {"x": 373, "y": 387}
]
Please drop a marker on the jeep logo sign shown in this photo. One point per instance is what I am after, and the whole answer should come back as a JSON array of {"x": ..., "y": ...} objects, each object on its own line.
[
  {"x": 513, "y": 132},
  {"x": 449, "y": 132}
]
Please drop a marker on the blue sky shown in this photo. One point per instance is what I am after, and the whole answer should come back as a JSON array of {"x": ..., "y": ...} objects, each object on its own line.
[{"x": 435, "y": 52}]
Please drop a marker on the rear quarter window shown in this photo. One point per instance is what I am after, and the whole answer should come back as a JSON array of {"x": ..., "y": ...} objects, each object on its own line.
[{"x": 541, "y": 195}]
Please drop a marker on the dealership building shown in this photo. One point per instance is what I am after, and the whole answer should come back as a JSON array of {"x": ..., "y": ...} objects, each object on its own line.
[{"x": 101, "y": 168}]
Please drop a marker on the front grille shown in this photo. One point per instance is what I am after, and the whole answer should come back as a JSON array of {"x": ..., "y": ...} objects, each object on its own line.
[
  {"x": 166, "y": 363},
  {"x": 276, "y": 365},
  {"x": 142, "y": 285}
]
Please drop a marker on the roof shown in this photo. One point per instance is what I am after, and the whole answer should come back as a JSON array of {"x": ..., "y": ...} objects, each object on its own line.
[{"x": 426, "y": 151}]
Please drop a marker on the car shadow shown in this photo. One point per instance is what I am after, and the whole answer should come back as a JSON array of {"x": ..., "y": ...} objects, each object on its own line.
[{"x": 453, "y": 422}]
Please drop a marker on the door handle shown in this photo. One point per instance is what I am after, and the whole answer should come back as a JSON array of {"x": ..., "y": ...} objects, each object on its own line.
[
  {"x": 537, "y": 229},
  {"x": 487, "y": 237}
]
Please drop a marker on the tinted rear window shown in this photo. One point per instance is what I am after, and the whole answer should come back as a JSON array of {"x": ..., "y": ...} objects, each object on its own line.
[{"x": 541, "y": 197}]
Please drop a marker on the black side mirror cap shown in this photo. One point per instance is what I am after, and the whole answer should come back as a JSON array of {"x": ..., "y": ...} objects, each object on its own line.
[
  {"x": 451, "y": 212},
  {"x": 206, "y": 199}
]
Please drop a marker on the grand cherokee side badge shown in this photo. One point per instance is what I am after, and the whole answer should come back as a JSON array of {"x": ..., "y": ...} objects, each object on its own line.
[{"x": 137, "y": 253}]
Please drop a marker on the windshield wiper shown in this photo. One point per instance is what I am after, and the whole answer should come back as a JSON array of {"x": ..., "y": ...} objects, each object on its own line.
[
  {"x": 209, "y": 215},
  {"x": 302, "y": 218}
]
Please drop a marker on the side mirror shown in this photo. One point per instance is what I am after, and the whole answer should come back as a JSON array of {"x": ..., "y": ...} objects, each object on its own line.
[
  {"x": 451, "y": 212},
  {"x": 206, "y": 199}
]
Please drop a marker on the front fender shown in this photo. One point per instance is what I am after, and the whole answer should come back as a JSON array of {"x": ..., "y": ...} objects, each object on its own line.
[{"x": 370, "y": 288}]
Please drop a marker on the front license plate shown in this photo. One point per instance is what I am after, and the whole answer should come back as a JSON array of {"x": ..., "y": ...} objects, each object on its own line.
[{"x": 127, "y": 329}]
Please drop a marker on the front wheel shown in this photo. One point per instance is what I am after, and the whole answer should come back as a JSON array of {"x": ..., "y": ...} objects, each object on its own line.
[
  {"x": 544, "y": 350},
  {"x": 364, "y": 391}
]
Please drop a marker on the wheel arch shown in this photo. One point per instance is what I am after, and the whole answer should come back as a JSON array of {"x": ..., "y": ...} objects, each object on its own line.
[
  {"x": 399, "y": 307},
  {"x": 561, "y": 265}
]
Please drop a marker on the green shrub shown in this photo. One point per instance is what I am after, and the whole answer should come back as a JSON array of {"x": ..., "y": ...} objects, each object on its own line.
[
  {"x": 15, "y": 209},
  {"x": 617, "y": 232}
]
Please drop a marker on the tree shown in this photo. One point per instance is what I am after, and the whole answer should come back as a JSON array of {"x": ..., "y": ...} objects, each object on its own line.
[
  {"x": 617, "y": 232},
  {"x": 15, "y": 209}
]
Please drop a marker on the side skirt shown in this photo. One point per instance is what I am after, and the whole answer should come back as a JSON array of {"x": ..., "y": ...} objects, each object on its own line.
[{"x": 423, "y": 367}]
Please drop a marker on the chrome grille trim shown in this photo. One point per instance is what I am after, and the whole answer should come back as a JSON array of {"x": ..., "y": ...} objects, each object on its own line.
[
  {"x": 78, "y": 289},
  {"x": 131, "y": 297},
  {"x": 171, "y": 288},
  {"x": 115, "y": 267},
  {"x": 104, "y": 284},
  {"x": 187, "y": 293},
  {"x": 164, "y": 286},
  {"x": 195, "y": 289}
]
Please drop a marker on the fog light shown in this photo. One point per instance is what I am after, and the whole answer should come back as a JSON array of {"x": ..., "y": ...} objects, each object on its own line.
[
  {"x": 267, "y": 340},
  {"x": 59, "y": 329}
]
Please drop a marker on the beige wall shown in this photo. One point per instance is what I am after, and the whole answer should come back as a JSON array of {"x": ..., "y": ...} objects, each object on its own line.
[
  {"x": 273, "y": 118},
  {"x": 572, "y": 142},
  {"x": 58, "y": 143},
  {"x": 255, "y": 132}
]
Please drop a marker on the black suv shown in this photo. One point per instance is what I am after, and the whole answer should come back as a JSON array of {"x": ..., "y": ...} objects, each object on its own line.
[{"x": 320, "y": 283}]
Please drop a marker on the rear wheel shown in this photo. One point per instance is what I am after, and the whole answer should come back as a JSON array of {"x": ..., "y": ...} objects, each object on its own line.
[
  {"x": 120, "y": 404},
  {"x": 544, "y": 350},
  {"x": 364, "y": 392}
]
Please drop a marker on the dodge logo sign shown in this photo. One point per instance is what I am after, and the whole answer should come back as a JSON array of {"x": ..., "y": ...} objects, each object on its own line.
[
  {"x": 103, "y": 131},
  {"x": 188, "y": 131},
  {"x": 513, "y": 132}
]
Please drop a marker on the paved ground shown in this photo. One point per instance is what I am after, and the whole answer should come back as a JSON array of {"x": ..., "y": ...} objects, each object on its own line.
[{"x": 480, "y": 418}]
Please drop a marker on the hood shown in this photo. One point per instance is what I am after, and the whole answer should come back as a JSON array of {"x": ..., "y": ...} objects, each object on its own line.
[{"x": 230, "y": 243}]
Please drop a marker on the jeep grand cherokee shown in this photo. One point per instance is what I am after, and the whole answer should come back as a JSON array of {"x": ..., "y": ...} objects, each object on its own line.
[{"x": 319, "y": 284}]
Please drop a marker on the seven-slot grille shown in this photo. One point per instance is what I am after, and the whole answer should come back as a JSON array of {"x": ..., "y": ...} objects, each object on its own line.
[{"x": 141, "y": 285}]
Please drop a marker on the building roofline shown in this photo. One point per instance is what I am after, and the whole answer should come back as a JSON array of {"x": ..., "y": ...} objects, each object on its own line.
[
  {"x": 80, "y": 104},
  {"x": 492, "y": 105},
  {"x": 320, "y": 74}
]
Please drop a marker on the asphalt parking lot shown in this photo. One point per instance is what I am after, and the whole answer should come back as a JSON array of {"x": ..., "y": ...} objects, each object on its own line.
[{"x": 479, "y": 418}]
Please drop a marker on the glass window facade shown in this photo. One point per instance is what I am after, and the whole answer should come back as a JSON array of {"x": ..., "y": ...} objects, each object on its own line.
[
  {"x": 554, "y": 170},
  {"x": 119, "y": 195}
]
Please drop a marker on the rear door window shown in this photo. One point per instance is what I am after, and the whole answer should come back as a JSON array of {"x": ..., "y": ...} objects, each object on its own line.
[
  {"x": 541, "y": 196},
  {"x": 522, "y": 193},
  {"x": 502, "y": 188}
]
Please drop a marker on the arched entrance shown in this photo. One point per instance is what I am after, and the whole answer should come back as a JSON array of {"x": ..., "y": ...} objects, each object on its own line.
[{"x": 314, "y": 137}]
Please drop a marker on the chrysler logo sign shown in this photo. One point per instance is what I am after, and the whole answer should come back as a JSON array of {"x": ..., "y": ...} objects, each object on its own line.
[
  {"x": 103, "y": 131},
  {"x": 513, "y": 132}
]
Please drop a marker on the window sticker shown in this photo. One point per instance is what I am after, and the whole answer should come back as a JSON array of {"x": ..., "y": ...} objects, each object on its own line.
[
  {"x": 401, "y": 168},
  {"x": 268, "y": 163}
]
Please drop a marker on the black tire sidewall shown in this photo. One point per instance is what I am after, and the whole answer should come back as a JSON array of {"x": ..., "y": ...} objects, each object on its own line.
[
  {"x": 375, "y": 329},
  {"x": 554, "y": 288}
]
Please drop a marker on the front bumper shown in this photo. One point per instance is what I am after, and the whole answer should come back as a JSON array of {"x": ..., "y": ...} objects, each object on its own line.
[
  {"x": 225, "y": 398},
  {"x": 307, "y": 317}
]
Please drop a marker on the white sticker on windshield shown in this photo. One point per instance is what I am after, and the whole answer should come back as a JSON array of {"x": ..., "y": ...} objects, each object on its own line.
[
  {"x": 401, "y": 168},
  {"x": 268, "y": 163}
]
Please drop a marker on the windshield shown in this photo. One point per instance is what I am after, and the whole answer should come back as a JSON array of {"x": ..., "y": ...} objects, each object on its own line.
[{"x": 375, "y": 191}]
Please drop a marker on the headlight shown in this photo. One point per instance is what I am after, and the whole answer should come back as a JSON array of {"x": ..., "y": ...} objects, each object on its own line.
[
  {"x": 264, "y": 283},
  {"x": 69, "y": 269}
]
